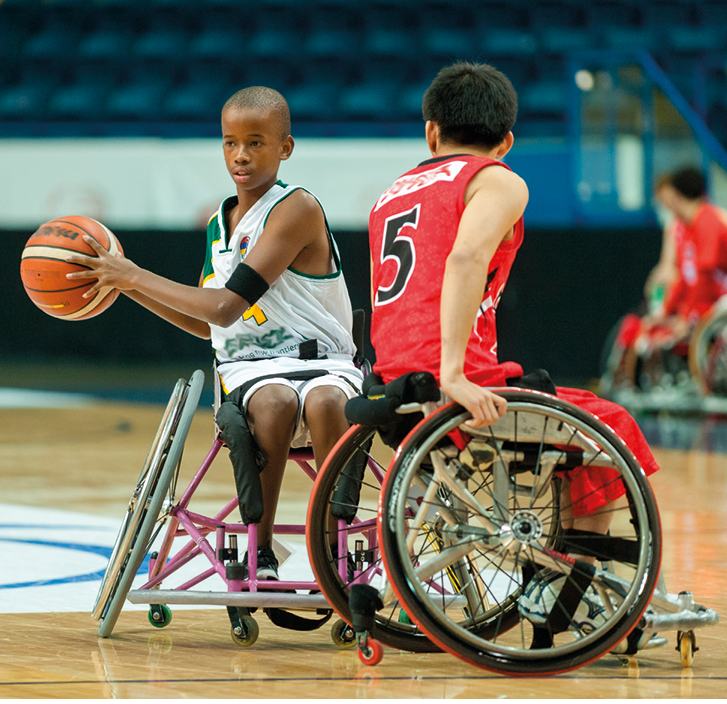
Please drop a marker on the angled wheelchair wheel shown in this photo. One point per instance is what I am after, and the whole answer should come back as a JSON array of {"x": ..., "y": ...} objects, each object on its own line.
[
  {"x": 150, "y": 502},
  {"x": 708, "y": 353},
  {"x": 474, "y": 547},
  {"x": 342, "y": 516}
]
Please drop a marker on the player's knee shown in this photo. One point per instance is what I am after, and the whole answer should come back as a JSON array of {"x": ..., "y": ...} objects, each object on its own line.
[
  {"x": 273, "y": 405},
  {"x": 326, "y": 403}
]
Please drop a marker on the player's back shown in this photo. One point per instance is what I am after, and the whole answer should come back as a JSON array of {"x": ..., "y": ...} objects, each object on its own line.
[{"x": 412, "y": 229}]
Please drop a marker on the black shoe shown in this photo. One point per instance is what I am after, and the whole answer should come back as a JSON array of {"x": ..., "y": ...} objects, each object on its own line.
[{"x": 267, "y": 564}]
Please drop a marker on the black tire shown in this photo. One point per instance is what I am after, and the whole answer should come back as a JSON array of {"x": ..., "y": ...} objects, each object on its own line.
[
  {"x": 489, "y": 513},
  {"x": 708, "y": 354},
  {"x": 156, "y": 482},
  {"x": 348, "y": 487}
]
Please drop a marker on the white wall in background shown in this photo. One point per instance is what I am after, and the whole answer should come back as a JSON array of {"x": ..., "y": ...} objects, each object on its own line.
[{"x": 175, "y": 184}]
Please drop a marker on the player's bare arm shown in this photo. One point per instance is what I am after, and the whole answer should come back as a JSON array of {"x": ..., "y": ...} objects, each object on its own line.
[
  {"x": 495, "y": 201},
  {"x": 294, "y": 235}
]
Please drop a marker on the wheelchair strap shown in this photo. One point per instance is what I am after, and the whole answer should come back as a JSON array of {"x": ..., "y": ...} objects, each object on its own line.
[
  {"x": 602, "y": 547},
  {"x": 293, "y": 622},
  {"x": 576, "y": 583}
]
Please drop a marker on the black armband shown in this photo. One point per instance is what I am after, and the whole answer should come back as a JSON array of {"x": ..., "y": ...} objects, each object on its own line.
[{"x": 246, "y": 282}]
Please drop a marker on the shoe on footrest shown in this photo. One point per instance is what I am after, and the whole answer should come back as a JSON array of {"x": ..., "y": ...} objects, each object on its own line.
[
  {"x": 267, "y": 564},
  {"x": 542, "y": 593}
]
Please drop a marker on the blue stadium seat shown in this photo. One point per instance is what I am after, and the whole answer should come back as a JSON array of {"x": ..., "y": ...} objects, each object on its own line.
[
  {"x": 372, "y": 100},
  {"x": 109, "y": 42},
  {"x": 668, "y": 13},
  {"x": 712, "y": 13},
  {"x": 218, "y": 41},
  {"x": 57, "y": 38},
  {"x": 333, "y": 31},
  {"x": 509, "y": 42},
  {"x": 314, "y": 102},
  {"x": 162, "y": 43},
  {"x": 141, "y": 93},
  {"x": 557, "y": 40},
  {"x": 631, "y": 38},
  {"x": 556, "y": 13},
  {"x": 547, "y": 97},
  {"x": 695, "y": 39},
  {"x": 612, "y": 13}
]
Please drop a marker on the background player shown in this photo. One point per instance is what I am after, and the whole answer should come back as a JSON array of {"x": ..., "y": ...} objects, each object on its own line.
[
  {"x": 275, "y": 305},
  {"x": 443, "y": 239},
  {"x": 698, "y": 249}
]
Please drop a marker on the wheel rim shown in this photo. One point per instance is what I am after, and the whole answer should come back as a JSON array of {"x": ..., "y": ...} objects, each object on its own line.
[{"x": 481, "y": 586}]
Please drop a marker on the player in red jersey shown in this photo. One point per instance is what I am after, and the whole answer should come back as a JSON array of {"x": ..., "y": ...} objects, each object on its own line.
[
  {"x": 699, "y": 232},
  {"x": 443, "y": 239}
]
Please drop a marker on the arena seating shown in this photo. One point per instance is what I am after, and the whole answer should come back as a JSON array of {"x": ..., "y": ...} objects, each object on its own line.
[{"x": 130, "y": 63}]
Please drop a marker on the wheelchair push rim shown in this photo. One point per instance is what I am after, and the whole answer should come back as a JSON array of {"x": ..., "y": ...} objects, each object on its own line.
[{"x": 451, "y": 544}]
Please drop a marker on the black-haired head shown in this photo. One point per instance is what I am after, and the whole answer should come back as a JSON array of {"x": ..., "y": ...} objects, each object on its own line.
[
  {"x": 262, "y": 98},
  {"x": 473, "y": 104}
]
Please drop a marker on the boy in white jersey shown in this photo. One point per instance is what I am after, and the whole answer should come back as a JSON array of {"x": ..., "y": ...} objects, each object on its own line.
[{"x": 282, "y": 314}]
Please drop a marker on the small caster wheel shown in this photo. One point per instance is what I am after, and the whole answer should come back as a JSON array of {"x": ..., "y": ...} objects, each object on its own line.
[
  {"x": 246, "y": 633},
  {"x": 687, "y": 646},
  {"x": 372, "y": 653},
  {"x": 343, "y": 635},
  {"x": 159, "y": 615}
]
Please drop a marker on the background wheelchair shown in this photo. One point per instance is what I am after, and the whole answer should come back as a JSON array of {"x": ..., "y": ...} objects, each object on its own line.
[
  {"x": 689, "y": 376},
  {"x": 468, "y": 516}
]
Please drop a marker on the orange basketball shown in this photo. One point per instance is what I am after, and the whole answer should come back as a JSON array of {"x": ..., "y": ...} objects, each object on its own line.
[{"x": 43, "y": 267}]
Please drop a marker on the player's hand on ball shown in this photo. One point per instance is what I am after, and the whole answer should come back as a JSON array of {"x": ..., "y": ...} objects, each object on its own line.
[{"x": 111, "y": 270}]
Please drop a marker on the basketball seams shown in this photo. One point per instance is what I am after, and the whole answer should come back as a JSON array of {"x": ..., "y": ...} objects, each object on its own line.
[
  {"x": 72, "y": 223},
  {"x": 42, "y": 262}
]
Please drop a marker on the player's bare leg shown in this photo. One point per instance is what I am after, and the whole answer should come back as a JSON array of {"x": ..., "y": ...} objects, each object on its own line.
[{"x": 272, "y": 412}]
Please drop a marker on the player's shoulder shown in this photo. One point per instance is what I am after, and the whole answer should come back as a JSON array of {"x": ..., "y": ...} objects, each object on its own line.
[
  {"x": 498, "y": 178},
  {"x": 297, "y": 202}
]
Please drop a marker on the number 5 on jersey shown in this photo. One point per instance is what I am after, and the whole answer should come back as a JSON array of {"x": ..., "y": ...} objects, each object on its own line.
[{"x": 401, "y": 249}]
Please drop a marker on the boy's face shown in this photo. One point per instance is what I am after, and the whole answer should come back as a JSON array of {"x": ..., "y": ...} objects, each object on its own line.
[{"x": 254, "y": 147}]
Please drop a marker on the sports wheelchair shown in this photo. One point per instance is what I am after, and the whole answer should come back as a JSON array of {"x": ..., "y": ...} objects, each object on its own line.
[
  {"x": 161, "y": 535},
  {"x": 691, "y": 375},
  {"x": 154, "y": 504},
  {"x": 468, "y": 521}
]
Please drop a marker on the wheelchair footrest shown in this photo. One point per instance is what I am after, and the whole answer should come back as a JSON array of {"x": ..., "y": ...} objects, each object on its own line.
[
  {"x": 679, "y": 621},
  {"x": 260, "y": 599}
]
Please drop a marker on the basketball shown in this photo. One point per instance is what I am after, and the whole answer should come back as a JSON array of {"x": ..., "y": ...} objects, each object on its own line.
[{"x": 43, "y": 267}]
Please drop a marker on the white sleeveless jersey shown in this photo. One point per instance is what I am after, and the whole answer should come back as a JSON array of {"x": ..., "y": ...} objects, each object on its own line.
[{"x": 296, "y": 308}]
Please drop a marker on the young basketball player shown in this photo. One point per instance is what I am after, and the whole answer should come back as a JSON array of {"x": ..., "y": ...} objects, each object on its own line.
[
  {"x": 698, "y": 252},
  {"x": 443, "y": 239},
  {"x": 274, "y": 302}
]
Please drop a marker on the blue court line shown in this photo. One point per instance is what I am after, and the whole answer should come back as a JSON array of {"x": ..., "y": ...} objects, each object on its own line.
[{"x": 101, "y": 550}]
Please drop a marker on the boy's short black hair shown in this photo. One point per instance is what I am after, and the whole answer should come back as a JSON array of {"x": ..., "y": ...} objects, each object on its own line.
[
  {"x": 473, "y": 104},
  {"x": 690, "y": 182},
  {"x": 262, "y": 98}
]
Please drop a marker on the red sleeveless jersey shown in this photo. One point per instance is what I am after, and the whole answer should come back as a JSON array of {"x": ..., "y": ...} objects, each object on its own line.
[{"x": 412, "y": 229}]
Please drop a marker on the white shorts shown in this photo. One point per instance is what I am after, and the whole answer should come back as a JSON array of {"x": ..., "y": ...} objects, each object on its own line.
[{"x": 342, "y": 373}]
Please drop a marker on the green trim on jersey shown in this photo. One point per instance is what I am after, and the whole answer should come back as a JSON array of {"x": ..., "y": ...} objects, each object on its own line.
[{"x": 334, "y": 249}]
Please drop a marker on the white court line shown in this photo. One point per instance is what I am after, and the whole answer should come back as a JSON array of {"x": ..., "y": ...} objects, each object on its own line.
[{"x": 32, "y": 398}]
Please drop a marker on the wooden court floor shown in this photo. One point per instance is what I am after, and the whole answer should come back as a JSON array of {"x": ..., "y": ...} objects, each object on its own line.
[{"x": 87, "y": 459}]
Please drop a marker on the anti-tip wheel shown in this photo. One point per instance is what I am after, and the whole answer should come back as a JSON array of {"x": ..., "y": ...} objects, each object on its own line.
[
  {"x": 373, "y": 653},
  {"x": 687, "y": 643}
]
